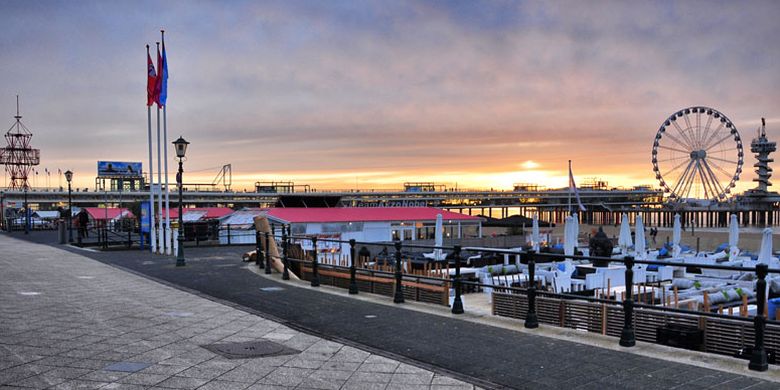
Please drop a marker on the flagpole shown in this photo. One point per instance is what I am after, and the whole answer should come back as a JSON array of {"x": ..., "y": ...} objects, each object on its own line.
[
  {"x": 161, "y": 236},
  {"x": 152, "y": 232},
  {"x": 168, "y": 242},
  {"x": 570, "y": 185}
]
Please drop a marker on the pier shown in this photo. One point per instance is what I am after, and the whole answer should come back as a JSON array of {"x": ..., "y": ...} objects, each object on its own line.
[{"x": 603, "y": 207}]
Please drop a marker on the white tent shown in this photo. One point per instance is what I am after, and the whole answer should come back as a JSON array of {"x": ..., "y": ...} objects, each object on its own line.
[
  {"x": 535, "y": 238},
  {"x": 676, "y": 236},
  {"x": 569, "y": 237},
  {"x": 734, "y": 237},
  {"x": 640, "y": 245},
  {"x": 765, "y": 253},
  {"x": 624, "y": 240}
]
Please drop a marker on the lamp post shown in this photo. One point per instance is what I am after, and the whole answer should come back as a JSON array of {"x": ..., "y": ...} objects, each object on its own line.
[
  {"x": 2, "y": 210},
  {"x": 26, "y": 212},
  {"x": 69, "y": 178},
  {"x": 181, "y": 149}
]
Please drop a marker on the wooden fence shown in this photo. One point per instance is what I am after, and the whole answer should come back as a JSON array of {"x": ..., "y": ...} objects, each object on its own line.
[{"x": 721, "y": 335}]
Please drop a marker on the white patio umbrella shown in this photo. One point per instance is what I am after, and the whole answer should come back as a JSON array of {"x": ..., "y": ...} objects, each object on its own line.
[
  {"x": 676, "y": 236},
  {"x": 575, "y": 227},
  {"x": 438, "y": 238},
  {"x": 639, "y": 245},
  {"x": 624, "y": 240},
  {"x": 765, "y": 253},
  {"x": 569, "y": 238},
  {"x": 535, "y": 238},
  {"x": 734, "y": 237}
]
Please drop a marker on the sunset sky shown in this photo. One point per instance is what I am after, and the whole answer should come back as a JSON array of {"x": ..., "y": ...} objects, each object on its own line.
[{"x": 338, "y": 94}]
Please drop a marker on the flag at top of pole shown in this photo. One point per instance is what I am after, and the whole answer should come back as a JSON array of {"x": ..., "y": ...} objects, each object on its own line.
[
  {"x": 163, "y": 73},
  {"x": 158, "y": 81},
  {"x": 573, "y": 188},
  {"x": 151, "y": 80}
]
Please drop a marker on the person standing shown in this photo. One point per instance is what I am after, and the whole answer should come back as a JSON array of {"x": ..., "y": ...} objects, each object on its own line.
[{"x": 83, "y": 221}]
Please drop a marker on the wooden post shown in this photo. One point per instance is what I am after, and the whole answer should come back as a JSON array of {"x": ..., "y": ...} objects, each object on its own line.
[
  {"x": 676, "y": 299},
  {"x": 706, "y": 303}
]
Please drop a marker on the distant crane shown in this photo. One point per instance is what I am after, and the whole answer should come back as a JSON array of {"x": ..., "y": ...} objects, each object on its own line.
[{"x": 224, "y": 177}]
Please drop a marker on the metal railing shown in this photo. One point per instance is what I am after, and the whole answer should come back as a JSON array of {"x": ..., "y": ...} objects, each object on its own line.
[{"x": 530, "y": 288}]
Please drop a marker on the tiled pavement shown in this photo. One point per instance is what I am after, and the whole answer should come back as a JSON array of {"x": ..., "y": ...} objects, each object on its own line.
[{"x": 65, "y": 319}]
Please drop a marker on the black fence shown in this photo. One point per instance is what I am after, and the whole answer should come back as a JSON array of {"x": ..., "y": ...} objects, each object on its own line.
[{"x": 398, "y": 270}]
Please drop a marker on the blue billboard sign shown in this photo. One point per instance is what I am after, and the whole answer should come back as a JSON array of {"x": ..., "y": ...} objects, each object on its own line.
[
  {"x": 119, "y": 169},
  {"x": 146, "y": 217}
]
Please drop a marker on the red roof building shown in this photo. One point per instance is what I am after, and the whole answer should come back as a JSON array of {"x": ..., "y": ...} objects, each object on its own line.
[
  {"x": 101, "y": 213},
  {"x": 205, "y": 212},
  {"x": 364, "y": 214},
  {"x": 376, "y": 224}
]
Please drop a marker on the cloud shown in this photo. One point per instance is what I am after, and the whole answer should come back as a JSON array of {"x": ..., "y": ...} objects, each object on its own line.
[{"x": 399, "y": 89}]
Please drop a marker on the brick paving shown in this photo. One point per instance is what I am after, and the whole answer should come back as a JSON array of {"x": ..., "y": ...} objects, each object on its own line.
[
  {"x": 69, "y": 322},
  {"x": 449, "y": 348}
]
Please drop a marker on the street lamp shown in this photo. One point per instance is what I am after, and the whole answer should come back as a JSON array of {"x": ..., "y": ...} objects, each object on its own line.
[
  {"x": 69, "y": 178},
  {"x": 26, "y": 212},
  {"x": 2, "y": 210},
  {"x": 181, "y": 149}
]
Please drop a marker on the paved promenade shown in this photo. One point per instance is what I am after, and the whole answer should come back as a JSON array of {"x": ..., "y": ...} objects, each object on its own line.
[
  {"x": 70, "y": 322},
  {"x": 425, "y": 350}
]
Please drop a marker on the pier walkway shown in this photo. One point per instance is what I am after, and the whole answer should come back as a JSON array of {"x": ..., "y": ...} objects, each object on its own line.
[
  {"x": 222, "y": 297},
  {"x": 69, "y": 322}
]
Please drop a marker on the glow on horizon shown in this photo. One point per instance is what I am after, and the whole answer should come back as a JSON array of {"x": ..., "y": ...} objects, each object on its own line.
[{"x": 372, "y": 94}]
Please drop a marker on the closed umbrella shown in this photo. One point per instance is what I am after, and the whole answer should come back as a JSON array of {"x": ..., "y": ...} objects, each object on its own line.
[
  {"x": 535, "y": 239},
  {"x": 733, "y": 237},
  {"x": 438, "y": 238},
  {"x": 639, "y": 246},
  {"x": 576, "y": 227},
  {"x": 765, "y": 253},
  {"x": 676, "y": 236},
  {"x": 569, "y": 240},
  {"x": 624, "y": 240}
]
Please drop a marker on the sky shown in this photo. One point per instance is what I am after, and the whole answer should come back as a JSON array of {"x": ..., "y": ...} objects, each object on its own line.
[{"x": 371, "y": 94}]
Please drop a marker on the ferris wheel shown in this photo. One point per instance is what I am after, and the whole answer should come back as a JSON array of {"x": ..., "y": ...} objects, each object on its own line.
[{"x": 697, "y": 153}]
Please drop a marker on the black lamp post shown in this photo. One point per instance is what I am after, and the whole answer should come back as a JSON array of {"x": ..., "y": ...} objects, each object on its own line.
[
  {"x": 2, "y": 210},
  {"x": 26, "y": 212},
  {"x": 69, "y": 178},
  {"x": 181, "y": 149}
]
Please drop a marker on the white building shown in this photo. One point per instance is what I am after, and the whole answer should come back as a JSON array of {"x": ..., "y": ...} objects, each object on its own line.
[{"x": 376, "y": 224}]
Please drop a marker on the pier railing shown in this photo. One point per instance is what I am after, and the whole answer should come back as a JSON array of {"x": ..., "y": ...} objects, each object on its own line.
[{"x": 396, "y": 270}]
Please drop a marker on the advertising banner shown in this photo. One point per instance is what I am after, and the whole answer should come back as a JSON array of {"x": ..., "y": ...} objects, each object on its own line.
[
  {"x": 146, "y": 217},
  {"x": 119, "y": 169}
]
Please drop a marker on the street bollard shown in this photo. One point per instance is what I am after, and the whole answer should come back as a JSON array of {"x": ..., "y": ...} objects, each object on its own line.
[
  {"x": 315, "y": 274},
  {"x": 531, "y": 320},
  {"x": 627, "y": 337},
  {"x": 267, "y": 253},
  {"x": 353, "y": 288},
  {"x": 399, "y": 292},
  {"x": 285, "y": 244},
  {"x": 259, "y": 260},
  {"x": 457, "y": 304},
  {"x": 228, "y": 234},
  {"x": 758, "y": 360}
]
